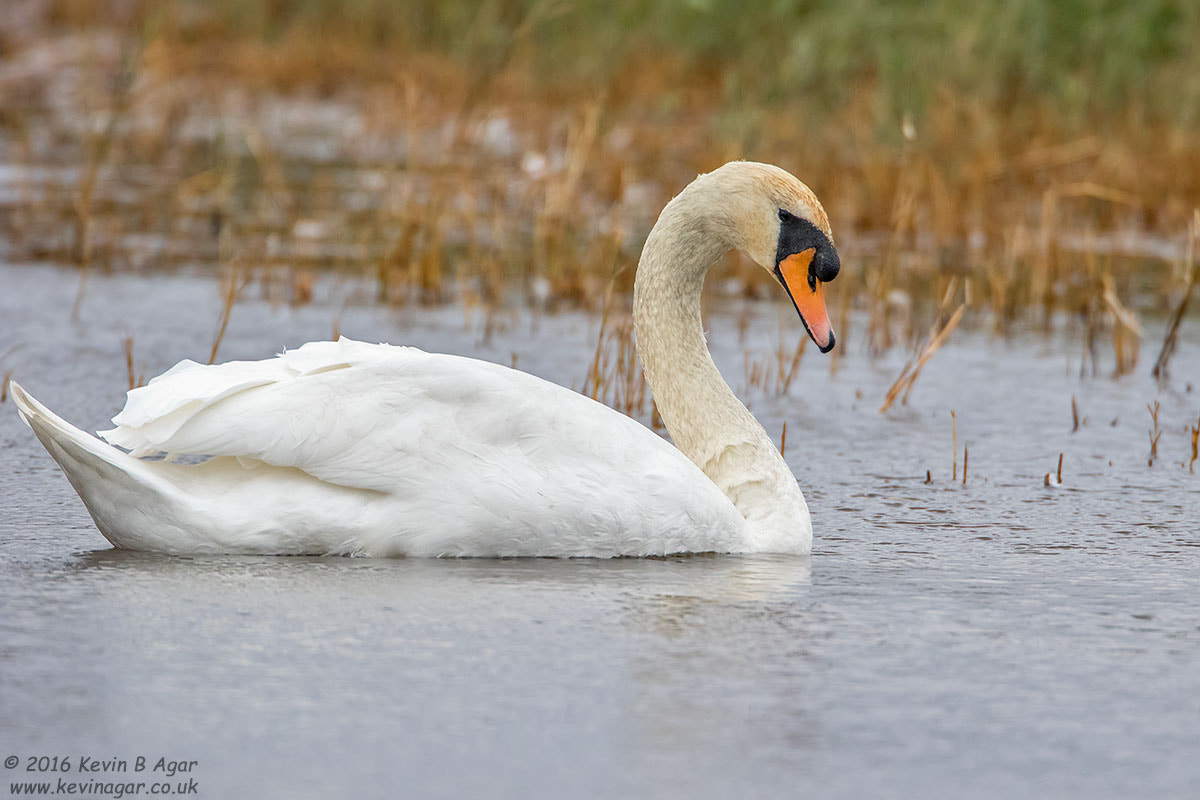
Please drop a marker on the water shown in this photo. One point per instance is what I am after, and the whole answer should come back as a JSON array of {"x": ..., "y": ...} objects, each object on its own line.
[{"x": 986, "y": 640}]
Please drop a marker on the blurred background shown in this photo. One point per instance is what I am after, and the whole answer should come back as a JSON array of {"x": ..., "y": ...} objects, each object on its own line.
[
  {"x": 1017, "y": 181},
  {"x": 1031, "y": 162}
]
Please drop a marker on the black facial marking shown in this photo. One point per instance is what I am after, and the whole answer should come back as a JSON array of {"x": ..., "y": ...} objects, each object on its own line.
[{"x": 797, "y": 235}]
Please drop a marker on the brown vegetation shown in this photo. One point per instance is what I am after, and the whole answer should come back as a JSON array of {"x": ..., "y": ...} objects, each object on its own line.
[{"x": 486, "y": 162}]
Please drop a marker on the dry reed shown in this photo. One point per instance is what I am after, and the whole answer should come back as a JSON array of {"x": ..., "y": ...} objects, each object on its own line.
[
  {"x": 615, "y": 374},
  {"x": 231, "y": 287},
  {"x": 133, "y": 382},
  {"x": 1058, "y": 479},
  {"x": 1154, "y": 432},
  {"x": 483, "y": 174},
  {"x": 908, "y": 376},
  {"x": 774, "y": 373},
  {"x": 99, "y": 148},
  {"x": 1192, "y": 268},
  {"x": 954, "y": 445},
  {"x": 1194, "y": 430}
]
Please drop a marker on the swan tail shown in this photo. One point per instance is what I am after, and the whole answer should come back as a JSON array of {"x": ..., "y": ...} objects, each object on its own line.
[{"x": 109, "y": 481}]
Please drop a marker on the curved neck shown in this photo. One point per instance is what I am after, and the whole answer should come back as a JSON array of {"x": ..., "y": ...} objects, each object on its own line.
[{"x": 705, "y": 419}]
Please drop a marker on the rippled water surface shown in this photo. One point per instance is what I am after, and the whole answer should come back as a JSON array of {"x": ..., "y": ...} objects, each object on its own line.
[{"x": 986, "y": 640}]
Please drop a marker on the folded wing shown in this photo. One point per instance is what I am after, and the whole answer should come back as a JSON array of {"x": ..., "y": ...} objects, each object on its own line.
[{"x": 378, "y": 417}]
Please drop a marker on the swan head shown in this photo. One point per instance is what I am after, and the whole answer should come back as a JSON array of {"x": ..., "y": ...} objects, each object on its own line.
[{"x": 775, "y": 219}]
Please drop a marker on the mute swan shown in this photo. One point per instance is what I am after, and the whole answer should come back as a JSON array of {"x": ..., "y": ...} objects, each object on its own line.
[{"x": 352, "y": 448}]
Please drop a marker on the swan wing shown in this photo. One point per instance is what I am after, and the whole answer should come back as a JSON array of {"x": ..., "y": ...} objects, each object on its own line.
[
  {"x": 337, "y": 410},
  {"x": 468, "y": 447}
]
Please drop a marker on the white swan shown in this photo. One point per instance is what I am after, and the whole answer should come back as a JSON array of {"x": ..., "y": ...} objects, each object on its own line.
[{"x": 352, "y": 448}]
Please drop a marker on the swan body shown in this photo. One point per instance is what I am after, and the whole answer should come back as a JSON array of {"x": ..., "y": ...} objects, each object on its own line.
[
  {"x": 413, "y": 454},
  {"x": 352, "y": 448}
]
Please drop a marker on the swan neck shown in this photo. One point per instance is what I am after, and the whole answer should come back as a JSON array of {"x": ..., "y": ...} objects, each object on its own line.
[
  {"x": 688, "y": 389},
  {"x": 706, "y": 420}
]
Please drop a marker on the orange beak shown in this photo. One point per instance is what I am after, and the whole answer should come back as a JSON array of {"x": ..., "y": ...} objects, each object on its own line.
[{"x": 807, "y": 297}]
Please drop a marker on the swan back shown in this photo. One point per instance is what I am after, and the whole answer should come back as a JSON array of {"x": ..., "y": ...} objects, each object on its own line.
[{"x": 448, "y": 455}]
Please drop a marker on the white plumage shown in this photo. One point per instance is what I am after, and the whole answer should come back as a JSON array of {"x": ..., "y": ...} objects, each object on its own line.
[
  {"x": 345, "y": 447},
  {"x": 352, "y": 448}
]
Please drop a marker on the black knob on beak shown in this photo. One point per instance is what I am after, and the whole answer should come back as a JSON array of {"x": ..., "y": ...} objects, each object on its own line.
[{"x": 825, "y": 264}]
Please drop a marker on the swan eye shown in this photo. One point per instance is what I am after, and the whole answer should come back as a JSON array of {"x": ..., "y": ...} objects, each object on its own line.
[{"x": 785, "y": 215}]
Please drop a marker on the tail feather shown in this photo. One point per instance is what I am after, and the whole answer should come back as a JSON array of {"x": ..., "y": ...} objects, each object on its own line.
[{"x": 107, "y": 479}]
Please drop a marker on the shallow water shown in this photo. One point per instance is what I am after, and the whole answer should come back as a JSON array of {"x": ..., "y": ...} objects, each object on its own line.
[{"x": 944, "y": 640}]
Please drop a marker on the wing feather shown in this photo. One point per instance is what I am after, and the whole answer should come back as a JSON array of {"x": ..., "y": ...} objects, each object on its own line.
[{"x": 405, "y": 422}]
